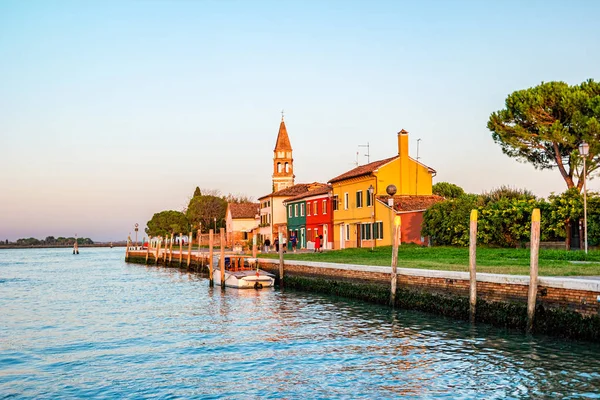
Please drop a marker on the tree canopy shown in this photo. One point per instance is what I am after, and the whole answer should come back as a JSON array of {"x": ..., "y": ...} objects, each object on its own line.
[
  {"x": 167, "y": 222},
  {"x": 204, "y": 209},
  {"x": 447, "y": 190},
  {"x": 544, "y": 126}
]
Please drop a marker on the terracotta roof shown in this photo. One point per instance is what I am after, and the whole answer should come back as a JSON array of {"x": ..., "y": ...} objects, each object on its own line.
[
  {"x": 362, "y": 170},
  {"x": 292, "y": 191},
  {"x": 283, "y": 141},
  {"x": 317, "y": 189},
  {"x": 412, "y": 203},
  {"x": 243, "y": 210}
]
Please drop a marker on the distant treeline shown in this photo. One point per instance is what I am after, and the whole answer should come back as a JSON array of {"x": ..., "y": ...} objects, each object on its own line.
[{"x": 50, "y": 241}]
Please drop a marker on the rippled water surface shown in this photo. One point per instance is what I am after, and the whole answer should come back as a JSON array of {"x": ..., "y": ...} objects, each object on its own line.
[{"x": 93, "y": 326}]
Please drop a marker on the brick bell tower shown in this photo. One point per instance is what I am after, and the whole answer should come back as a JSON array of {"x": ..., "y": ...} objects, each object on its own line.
[{"x": 283, "y": 163}]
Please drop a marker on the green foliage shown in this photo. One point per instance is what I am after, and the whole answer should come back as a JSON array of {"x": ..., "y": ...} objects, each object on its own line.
[
  {"x": 204, "y": 209},
  {"x": 506, "y": 193},
  {"x": 197, "y": 192},
  {"x": 447, "y": 222},
  {"x": 447, "y": 190},
  {"x": 544, "y": 126},
  {"x": 167, "y": 222}
]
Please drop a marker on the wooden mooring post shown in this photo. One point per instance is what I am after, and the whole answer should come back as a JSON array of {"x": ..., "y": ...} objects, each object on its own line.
[
  {"x": 126, "y": 249},
  {"x": 199, "y": 259},
  {"x": 157, "y": 250},
  {"x": 148, "y": 249},
  {"x": 189, "y": 253},
  {"x": 394, "y": 278},
  {"x": 222, "y": 258},
  {"x": 171, "y": 249},
  {"x": 166, "y": 250},
  {"x": 280, "y": 238},
  {"x": 254, "y": 250},
  {"x": 533, "y": 268},
  {"x": 472, "y": 265},
  {"x": 211, "y": 282},
  {"x": 180, "y": 249}
]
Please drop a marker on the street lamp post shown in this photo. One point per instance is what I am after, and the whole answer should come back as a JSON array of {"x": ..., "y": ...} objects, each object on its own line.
[
  {"x": 584, "y": 150},
  {"x": 136, "y": 231},
  {"x": 371, "y": 190},
  {"x": 391, "y": 191}
]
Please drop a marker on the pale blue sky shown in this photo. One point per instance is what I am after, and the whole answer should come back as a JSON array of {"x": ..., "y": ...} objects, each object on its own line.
[{"x": 113, "y": 110}]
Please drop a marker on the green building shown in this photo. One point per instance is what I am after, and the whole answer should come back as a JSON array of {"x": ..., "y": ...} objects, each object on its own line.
[{"x": 296, "y": 221}]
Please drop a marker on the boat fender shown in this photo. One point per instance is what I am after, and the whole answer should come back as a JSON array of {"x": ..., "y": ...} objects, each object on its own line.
[{"x": 257, "y": 285}]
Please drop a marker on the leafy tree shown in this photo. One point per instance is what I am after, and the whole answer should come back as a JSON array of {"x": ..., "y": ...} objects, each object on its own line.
[
  {"x": 205, "y": 209},
  {"x": 506, "y": 192},
  {"x": 238, "y": 198},
  {"x": 447, "y": 190},
  {"x": 447, "y": 222},
  {"x": 197, "y": 192},
  {"x": 544, "y": 126},
  {"x": 167, "y": 222}
]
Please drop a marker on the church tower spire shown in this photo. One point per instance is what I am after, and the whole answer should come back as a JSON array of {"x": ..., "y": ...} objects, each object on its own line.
[{"x": 283, "y": 170}]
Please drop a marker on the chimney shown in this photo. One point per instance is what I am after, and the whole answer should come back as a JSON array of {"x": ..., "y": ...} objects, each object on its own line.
[{"x": 403, "y": 187}]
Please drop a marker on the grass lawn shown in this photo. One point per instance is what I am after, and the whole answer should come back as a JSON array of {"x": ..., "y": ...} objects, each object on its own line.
[{"x": 499, "y": 261}]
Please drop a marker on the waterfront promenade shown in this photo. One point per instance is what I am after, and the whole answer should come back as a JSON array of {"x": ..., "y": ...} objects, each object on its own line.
[{"x": 565, "y": 306}]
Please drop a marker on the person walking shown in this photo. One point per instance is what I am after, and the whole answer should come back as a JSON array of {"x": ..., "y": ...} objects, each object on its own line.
[
  {"x": 294, "y": 241},
  {"x": 317, "y": 243},
  {"x": 267, "y": 245},
  {"x": 276, "y": 243}
]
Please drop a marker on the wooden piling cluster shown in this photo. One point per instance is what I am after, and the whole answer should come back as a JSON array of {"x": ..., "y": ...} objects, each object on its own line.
[{"x": 533, "y": 267}]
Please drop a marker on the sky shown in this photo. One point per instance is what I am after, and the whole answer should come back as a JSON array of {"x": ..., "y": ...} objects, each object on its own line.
[{"x": 111, "y": 111}]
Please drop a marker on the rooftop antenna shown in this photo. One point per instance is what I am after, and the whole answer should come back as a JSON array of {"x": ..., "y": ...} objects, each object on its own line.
[
  {"x": 368, "y": 155},
  {"x": 417, "y": 173}
]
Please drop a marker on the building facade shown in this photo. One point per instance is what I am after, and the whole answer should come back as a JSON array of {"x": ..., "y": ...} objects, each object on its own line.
[
  {"x": 361, "y": 217},
  {"x": 241, "y": 220}
]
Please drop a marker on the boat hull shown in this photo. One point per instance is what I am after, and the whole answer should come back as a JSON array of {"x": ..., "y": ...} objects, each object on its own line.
[{"x": 248, "y": 279}]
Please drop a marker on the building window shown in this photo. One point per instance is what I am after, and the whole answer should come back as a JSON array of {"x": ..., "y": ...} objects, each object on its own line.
[
  {"x": 290, "y": 211},
  {"x": 378, "y": 230},
  {"x": 369, "y": 199},
  {"x": 315, "y": 208},
  {"x": 359, "y": 199},
  {"x": 279, "y": 167},
  {"x": 287, "y": 168},
  {"x": 308, "y": 207},
  {"x": 302, "y": 209},
  {"x": 335, "y": 202},
  {"x": 324, "y": 205},
  {"x": 347, "y": 230},
  {"x": 295, "y": 210},
  {"x": 269, "y": 219},
  {"x": 346, "y": 201}
]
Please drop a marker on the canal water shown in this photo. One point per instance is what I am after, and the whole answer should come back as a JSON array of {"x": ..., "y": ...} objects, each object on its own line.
[{"x": 93, "y": 326}]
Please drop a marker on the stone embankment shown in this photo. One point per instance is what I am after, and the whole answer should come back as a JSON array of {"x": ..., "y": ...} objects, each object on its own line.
[{"x": 567, "y": 307}]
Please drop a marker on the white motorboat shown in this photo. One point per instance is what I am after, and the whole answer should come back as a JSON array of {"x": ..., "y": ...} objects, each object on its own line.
[{"x": 244, "y": 277}]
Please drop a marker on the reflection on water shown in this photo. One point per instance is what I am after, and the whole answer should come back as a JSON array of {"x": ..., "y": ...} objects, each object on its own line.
[{"x": 93, "y": 326}]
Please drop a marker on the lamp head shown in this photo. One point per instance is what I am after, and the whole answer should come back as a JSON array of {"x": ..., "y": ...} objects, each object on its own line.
[
  {"x": 391, "y": 190},
  {"x": 584, "y": 149}
]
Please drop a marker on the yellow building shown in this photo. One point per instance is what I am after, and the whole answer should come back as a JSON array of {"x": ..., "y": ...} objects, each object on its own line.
[{"x": 362, "y": 212}]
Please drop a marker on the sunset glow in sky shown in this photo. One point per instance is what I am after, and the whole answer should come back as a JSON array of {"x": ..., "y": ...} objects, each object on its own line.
[{"x": 111, "y": 111}]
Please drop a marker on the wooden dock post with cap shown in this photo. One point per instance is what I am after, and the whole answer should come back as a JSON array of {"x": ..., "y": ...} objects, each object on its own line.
[
  {"x": 280, "y": 238},
  {"x": 148, "y": 249},
  {"x": 180, "y": 249},
  {"x": 533, "y": 268},
  {"x": 254, "y": 250},
  {"x": 199, "y": 265},
  {"x": 210, "y": 257},
  {"x": 472, "y": 265},
  {"x": 394, "y": 278},
  {"x": 157, "y": 252},
  {"x": 189, "y": 254},
  {"x": 222, "y": 258},
  {"x": 171, "y": 249}
]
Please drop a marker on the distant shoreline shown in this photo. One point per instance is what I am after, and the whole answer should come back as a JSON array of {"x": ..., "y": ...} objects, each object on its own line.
[{"x": 66, "y": 246}]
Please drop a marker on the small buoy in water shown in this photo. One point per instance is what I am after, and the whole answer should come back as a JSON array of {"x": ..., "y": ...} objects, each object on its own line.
[{"x": 257, "y": 285}]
